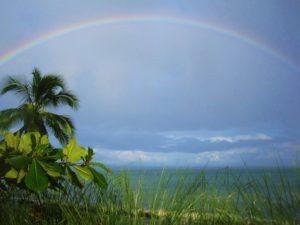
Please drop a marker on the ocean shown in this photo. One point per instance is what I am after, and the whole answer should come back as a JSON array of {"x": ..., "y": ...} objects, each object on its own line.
[{"x": 220, "y": 179}]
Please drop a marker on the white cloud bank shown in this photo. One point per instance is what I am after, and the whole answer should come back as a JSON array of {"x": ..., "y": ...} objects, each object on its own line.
[
  {"x": 251, "y": 156},
  {"x": 185, "y": 159},
  {"x": 233, "y": 139},
  {"x": 213, "y": 139}
]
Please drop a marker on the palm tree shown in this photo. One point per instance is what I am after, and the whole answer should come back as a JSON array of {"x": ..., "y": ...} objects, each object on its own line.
[{"x": 42, "y": 92}]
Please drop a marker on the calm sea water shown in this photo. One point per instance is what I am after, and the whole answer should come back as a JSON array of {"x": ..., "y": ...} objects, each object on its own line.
[{"x": 220, "y": 179}]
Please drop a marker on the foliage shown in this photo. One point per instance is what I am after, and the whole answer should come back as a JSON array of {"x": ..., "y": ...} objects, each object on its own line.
[
  {"x": 38, "y": 94},
  {"x": 175, "y": 198},
  {"x": 28, "y": 161}
]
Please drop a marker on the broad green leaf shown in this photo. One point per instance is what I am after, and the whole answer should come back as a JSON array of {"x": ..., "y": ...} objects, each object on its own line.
[
  {"x": 99, "y": 179},
  {"x": 77, "y": 154},
  {"x": 101, "y": 166},
  {"x": 25, "y": 145},
  {"x": 70, "y": 146},
  {"x": 44, "y": 140},
  {"x": 11, "y": 174},
  {"x": 2, "y": 148},
  {"x": 21, "y": 175},
  {"x": 35, "y": 138},
  {"x": 89, "y": 156},
  {"x": 19, "y": 161},
  {"x": 90, "y": 151},
  {"x": 56, "y": 154},
  {"x": 36, "y": 179},
  {"x": 72, "y": 177},
  {"x": 9, "y": 139},
  {"x": 84, "y": 172},
  {"x": 42, "y": 149},
  {"x": 73, "y": 152},
  {"x": 37, "y": 135},
  {"x": 51, "y": 168}
]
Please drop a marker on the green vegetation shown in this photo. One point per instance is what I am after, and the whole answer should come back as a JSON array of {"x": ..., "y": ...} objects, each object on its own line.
[
  {"x": 37, "y": 95},
  {"x": 188, "y": 201},
  {"x": 43, "y": 185},
  {"x": 29, "y": 162}
]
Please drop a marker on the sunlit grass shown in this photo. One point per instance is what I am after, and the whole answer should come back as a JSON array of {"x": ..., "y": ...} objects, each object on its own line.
[{"x": 175, "y": 198}]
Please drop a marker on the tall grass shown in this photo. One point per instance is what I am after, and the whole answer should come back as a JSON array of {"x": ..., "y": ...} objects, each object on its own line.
[{"x": 170, "y": 198}]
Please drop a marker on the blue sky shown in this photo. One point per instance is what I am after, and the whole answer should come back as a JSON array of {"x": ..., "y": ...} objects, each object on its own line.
[{"x": 161, "y": 94}]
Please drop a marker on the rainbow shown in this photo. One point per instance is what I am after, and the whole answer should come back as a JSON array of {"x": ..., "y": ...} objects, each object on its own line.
[{"x": 206, "y": 25}]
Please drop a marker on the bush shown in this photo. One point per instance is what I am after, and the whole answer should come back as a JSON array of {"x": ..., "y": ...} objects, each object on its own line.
[{"x": 30, "y": 162}]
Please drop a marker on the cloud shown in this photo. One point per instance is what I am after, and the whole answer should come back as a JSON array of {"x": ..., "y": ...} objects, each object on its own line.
[
  {"x": 166, "y": 93},
  {"x": 231, "y": 139},
  {"x": 134, "y": 157},
  {"x": 258, "y": 137},
  {"x": 192, "y": 141},
  {"x": 229, "y": 157},
  {"x": 152, "y": 141}
]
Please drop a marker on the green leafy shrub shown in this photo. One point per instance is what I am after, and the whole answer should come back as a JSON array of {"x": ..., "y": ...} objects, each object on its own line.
[{"x": 29, "y": 162}]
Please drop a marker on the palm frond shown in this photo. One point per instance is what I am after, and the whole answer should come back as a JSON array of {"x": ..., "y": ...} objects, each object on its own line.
[
  {"x": 10, "y": 117},
  {"x": 62, "y": 126},
  {"x": 13, "y": 84},
  {"x": 48, "y": 86},
  {"x": 52, "y": 82},
  {"x": 57, "y": 131},
  {"x": 36, "y": 79},
  {"x": 65, "y": 98},
  {"x": 40, "y": 92}
]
